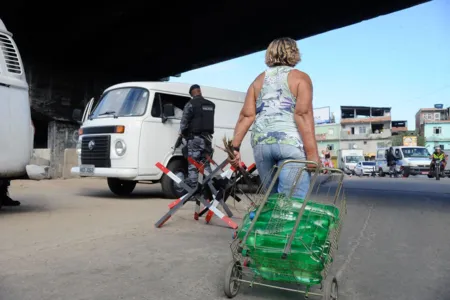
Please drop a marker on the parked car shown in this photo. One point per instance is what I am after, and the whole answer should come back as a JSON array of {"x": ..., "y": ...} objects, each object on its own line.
[{"x": 365, "y": 168}]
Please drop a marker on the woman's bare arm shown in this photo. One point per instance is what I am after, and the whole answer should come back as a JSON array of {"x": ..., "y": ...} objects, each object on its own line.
[
  {"x": 248, "y": 112},
  {"x": 304, "y": 113}
]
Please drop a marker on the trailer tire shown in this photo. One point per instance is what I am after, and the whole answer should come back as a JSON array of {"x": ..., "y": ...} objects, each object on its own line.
[
  {"x": 170, "y": 189},
  {"x": 121, "y": 187}
]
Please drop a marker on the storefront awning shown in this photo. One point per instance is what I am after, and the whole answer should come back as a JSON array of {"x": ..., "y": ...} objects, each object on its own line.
[{"x": 369, "y": 154}]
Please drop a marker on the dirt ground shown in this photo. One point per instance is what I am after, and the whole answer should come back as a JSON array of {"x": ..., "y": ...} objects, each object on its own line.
[{"x": 73, "y": 239}]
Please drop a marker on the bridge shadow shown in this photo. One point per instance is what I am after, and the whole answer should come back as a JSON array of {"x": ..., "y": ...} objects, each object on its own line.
[
  {"x": 139, "y": 194},
  {"x": 23, "y": 209}
]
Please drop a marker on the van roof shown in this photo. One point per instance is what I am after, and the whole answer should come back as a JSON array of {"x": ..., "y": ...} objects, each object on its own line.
[{"x": 183, "y": 89}]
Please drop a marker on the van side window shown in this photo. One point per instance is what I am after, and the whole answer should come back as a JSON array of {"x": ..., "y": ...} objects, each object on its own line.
[{"x": 162, "y": 98}]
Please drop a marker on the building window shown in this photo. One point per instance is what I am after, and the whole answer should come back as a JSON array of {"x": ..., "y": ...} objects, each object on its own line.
[
  {"x": 428, "y": 116},
  {"x": 437, "y": 116},
  {"x": 437, "y": 130},
  {"x": 362, "y": 130},
  {"x": 441, "y": 146},
  {"x": 330, "y": 147}
]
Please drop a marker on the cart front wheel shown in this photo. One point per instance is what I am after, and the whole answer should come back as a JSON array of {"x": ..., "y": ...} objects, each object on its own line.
[
  {"x": 330, "y": 289},
  {"x": 232, "y": 276}
]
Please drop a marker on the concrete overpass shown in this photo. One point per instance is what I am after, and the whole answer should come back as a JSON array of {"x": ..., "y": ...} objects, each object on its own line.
[
  {"x": 72, "y": 53},
  {"x": 84, "y": 48}
]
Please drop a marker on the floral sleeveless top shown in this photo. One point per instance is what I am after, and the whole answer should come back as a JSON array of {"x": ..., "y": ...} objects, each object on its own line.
[{"x": 274, "y": 123}]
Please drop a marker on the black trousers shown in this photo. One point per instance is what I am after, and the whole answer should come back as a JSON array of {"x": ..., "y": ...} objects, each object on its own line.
[{"x": 4, "y": 184}]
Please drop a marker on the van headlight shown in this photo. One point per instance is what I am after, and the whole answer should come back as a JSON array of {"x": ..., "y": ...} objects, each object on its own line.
[
  {"x": 79, "y": 147},
  {"x": 120, "y": 147}
]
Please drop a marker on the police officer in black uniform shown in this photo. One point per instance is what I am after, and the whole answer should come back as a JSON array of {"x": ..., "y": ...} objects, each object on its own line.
[{"x": 197, "y": 127}]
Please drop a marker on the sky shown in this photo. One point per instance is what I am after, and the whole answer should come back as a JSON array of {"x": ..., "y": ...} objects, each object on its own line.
[{"x": 400, "y": 60}]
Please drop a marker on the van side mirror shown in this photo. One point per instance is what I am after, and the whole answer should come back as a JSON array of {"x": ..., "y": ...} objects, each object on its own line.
[
  {"x": 168, "y": 112},
  {"x": 76, "y": 114}
]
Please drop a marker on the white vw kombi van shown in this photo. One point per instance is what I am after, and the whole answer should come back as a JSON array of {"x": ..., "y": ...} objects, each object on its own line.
[
  {"x": 16, "y": 129},
  {"x": 135, "y": 125},
  {"x": 411, "y": 160}
]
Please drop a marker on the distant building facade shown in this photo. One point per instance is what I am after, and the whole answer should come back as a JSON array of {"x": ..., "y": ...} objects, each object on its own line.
[
  {"x": 367, "y": 128},
  {"x": 434, "y": 125},
  {"x": 425, "y": 115},
  {"x": 399, "y": 127},
  {"x": 437, "y": 134},
  {"x": 327, "y": 136}
]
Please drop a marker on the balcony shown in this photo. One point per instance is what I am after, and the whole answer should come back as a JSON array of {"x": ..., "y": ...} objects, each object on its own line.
[{"x": 367, "y": 136}]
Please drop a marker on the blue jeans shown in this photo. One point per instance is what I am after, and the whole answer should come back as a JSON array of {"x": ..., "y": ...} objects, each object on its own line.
[{"x": 266, "y": 156}]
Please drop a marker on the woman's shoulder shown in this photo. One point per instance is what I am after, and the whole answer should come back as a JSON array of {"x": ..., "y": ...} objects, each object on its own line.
[
  {"x": 259, "y": 81},
  {"x": 296, "y": 74}
]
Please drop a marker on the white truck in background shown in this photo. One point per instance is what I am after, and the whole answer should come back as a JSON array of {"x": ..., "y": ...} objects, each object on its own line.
[
  {"x": 348, "y": 158},
  {"x": 16, "y": 128}
]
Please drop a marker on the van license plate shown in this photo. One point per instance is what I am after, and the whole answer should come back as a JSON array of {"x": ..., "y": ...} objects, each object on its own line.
[{"x": 87, "y": 170}]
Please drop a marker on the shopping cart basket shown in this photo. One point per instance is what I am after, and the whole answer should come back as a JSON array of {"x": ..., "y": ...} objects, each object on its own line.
[{"x": 288, "y": 242}]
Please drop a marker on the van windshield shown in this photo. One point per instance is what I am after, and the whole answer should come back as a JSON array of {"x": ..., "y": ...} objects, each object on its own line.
[
  {"x": 415, "y": 152},
  {"x": 122, "y": 102},
  {"x": 354, "y": 159}
]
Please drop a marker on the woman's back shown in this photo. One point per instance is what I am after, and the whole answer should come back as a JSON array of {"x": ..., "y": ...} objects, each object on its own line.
[{"x": 275, "y": 106}]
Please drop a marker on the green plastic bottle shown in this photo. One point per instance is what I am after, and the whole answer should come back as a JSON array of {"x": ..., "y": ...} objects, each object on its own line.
[{"x": 309, "y": 249}]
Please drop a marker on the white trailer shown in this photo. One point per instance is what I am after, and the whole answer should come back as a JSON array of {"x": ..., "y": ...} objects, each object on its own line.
[{"x": 348, "y": 158}]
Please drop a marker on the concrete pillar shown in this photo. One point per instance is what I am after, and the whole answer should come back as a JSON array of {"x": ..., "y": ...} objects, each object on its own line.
[{"x": 61, "y": 135}]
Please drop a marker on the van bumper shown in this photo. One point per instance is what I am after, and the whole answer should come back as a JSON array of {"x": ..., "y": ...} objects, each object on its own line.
[
  {"x": 107, "y": 172},
  {"x": 414, "y": 170}
]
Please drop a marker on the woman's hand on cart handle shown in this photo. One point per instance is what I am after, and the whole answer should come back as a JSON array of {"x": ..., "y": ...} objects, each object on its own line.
[{"x": 315, "y": 158}]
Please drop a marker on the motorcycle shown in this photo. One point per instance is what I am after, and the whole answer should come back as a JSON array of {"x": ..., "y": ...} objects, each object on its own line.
[{"x": 438, "y": 170}]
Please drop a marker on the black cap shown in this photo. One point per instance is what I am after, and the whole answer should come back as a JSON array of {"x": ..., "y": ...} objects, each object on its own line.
[{"x": 193, "y": 87}]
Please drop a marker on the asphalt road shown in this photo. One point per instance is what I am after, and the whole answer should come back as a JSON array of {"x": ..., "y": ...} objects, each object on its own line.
[{"x": 72, "y": 239}]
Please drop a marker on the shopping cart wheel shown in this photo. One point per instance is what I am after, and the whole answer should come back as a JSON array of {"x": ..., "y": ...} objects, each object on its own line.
[
  {"x": 232, "y": 277},
  {"x": 330, "y": 289}
]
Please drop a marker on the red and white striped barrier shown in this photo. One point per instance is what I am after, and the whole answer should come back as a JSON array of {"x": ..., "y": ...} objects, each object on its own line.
[{"x": 174, "y": 206}]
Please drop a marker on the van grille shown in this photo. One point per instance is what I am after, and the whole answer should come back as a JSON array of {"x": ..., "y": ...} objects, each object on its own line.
[
  {"x": 10, "y": 54},
  {"x": 99, "y": 154}
]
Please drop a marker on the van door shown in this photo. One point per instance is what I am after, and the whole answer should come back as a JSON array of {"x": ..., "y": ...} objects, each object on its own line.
[
  {"x": 157, "y": 138},
  {"x": 87, "y": 110}
]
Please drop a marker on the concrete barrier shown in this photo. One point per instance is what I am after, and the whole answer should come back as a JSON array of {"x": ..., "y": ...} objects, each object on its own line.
[
  {"x": 41, "y": 157},
  {"x": 70, "y": 160}
]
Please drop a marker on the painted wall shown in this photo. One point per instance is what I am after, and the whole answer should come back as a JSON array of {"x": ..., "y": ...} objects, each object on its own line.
[
  {"x": 328, "y": 134},
  {"x": 368, "y": 146},
  {"x": 433, "y": 139}
]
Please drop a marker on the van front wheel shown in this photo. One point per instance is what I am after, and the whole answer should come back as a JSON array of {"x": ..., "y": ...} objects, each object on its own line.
[
  {"x": 121, "y": 187},
  {"x": 170, "y": 188}
]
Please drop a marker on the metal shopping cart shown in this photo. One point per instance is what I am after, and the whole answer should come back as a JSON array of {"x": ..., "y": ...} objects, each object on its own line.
[{"x": 287, "y": 242}]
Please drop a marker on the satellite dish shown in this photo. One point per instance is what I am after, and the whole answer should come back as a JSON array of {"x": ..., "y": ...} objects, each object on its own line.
[{"x": 354, "y": 146}]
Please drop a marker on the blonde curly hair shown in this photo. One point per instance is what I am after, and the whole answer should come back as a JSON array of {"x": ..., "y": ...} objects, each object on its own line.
[{"x": 282, "y": 52}]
